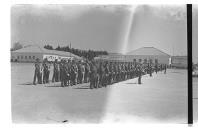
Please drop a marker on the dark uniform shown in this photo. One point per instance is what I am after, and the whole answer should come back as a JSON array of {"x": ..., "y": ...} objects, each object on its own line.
[
  {"x": 156, "y": 68},
  {"x": 37, "y": 74},
  {"x": 116, "y": 68},
  {"x": 102, "y": 75},
  {"x": 74, "y": 73},
  {"x": 111, "y": 73},
  {"x": 114, "y": 72},
  {"x": 65, "y": 74},
  {"x": 69, "y": 65},
  {"x": 120, "y": 71},
  {"x": 87, "y": 72},
  {"x": 150, "y": 70},
  {"x": 79, "y": 80},
  {"x": 93, "y": 73},
  {"x": 165, "y": 69},
  {"x": 161, "y": 68},
  {"x": 106, "y": 74},
  {"x": 83, "y": 73},
  {"x": 61, "y": 66},
  {"x": 45, "y": 72},
  {"x": 97, "y": 79},
  {"x": 55, "y": 77},
  {"x": 125, "y": 71},
  {"x": 139, "y": 71}
]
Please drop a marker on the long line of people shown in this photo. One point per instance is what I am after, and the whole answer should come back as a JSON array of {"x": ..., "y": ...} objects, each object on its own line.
[{"x": 97, "y": 73}]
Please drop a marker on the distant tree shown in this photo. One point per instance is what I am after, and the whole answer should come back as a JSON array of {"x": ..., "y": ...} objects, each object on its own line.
[
  {"x": 48, "y": 47},
  {"x": 16, "y": 46},
  {"x": 90, "y": 54},
  {"x": 58, "y": 48}
]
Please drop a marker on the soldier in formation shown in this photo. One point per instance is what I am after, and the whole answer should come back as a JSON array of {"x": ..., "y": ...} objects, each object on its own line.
[
  {"x": 37, "y": 72},
  {"x": 97, "y": 73}
]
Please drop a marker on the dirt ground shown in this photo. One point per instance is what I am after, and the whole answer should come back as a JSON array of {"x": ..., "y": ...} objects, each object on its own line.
[{"x": 160, "y": 99}]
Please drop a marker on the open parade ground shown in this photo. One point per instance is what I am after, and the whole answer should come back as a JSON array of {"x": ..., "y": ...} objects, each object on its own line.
[{"x": 161, "y": 98}]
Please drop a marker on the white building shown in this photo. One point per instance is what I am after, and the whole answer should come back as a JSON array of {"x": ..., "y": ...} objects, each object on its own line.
[
  {"x": 141, "y": 55},
  {"x": 31, "y": 53},
  {"x": 146, "y": 54}
]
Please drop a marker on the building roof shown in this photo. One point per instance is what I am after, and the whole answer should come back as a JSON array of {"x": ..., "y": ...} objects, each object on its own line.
[
  {"x": 148, "y": 51},
  {"x": 38, "y": 49},
  {"x": 113, "y": 54}
]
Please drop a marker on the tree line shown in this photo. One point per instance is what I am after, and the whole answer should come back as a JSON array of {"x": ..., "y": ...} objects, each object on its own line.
[{"x": 88, "y": 54}]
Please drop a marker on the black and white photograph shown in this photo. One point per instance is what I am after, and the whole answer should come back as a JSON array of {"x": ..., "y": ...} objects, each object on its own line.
[{"x": 96, "y": 64}]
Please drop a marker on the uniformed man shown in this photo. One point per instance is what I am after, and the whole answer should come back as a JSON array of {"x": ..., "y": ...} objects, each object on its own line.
[
  {"x": 110, "y": 81},
  {"x": 97, "y": 79},
  {"x": 106, "y": 74},
  {"x": 139, "y": 71},
  {"x": 69, "y": 64},
  {"x": 131, "y": 71},
  {"x": 74, "y": 73},
  {"x": 126, "y": 70},
  {"x": 149, "y": 70},
  {"x": 61, "y": 66},
  {"x": 56, "y": 71},
  {"x": 119, "y": 71},
  {"x": 93, "y": 73},
  {"x": 161, "y": 67},
  {"x": 66, "y": 73},
  {"x": 83, "y": 72},
  {"x": 165, "y": 68},
  {"x": 37, "y": 72},
  {"x": 116, "y": 72},
  {"x": 79, "y": 80},
  {"x": 45, "y": 71},
  {"x": 87, "y": 72},
  {"x": 156, "y": 68}
]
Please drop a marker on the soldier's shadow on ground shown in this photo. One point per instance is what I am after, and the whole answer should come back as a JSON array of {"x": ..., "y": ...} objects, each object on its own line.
[
  {"x": 83, "y": 87},
  {"x": 131, "y": 83},
  {"x": 28, "y": 83}
]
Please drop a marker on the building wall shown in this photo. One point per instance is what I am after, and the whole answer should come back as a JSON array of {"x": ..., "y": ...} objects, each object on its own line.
[
  {"x": 179, "y": 61},
  {"x": 25, "y": 57},
  {"x": 142, "y": 58},
  {"x": 138, "y": 58},
  {"x": 31, "y": 57}
]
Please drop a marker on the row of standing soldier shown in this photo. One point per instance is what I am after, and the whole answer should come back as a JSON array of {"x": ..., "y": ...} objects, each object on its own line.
[{"x": 97, "y": 73}]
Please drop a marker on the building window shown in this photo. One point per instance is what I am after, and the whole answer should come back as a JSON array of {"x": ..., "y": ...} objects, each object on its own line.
[
  {"x": 21, "y": 57},
  {"x": 25, "y": 57},
  {"x": 17, "y": 57},
  {"x": 134, "y": 60},
  {"x": 29, "y": 57},
  {"x": 33, "y": 57}
]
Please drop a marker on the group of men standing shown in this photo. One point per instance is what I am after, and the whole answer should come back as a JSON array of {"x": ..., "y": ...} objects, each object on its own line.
[
  {"x": 97, "y": 73},
  {"x": 41, "y": 72},
  {"x": 105, "y": 73},
  {"x": 68, "y": 72}
]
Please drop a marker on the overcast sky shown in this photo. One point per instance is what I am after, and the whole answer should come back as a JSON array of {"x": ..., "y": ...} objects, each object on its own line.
[{"x": 120, "y": 28}]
